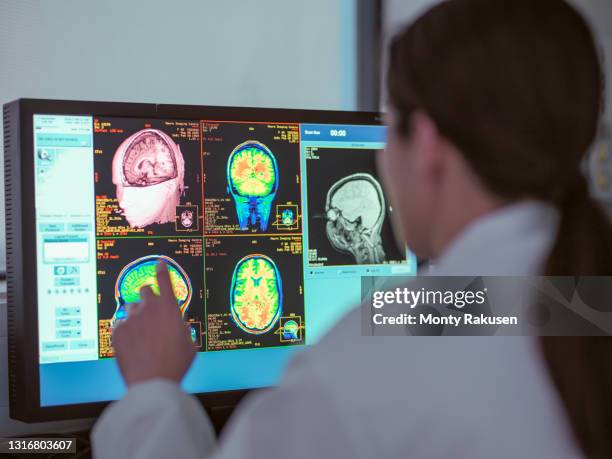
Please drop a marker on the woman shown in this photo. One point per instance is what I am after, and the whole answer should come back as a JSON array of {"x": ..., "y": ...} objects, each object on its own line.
[{"x": 493, "y": 105}]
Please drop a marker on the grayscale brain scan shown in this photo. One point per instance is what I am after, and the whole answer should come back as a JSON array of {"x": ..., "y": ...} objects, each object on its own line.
[{"x": 355, "y": 212}]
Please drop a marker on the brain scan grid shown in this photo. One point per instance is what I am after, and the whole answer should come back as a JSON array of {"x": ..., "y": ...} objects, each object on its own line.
[
  {"x": 222, "y": 204},
  {"x": 267, "y": 228}
]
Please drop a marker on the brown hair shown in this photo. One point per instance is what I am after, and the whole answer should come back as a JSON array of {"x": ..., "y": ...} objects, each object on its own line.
[{"x": 517, "y": 86}]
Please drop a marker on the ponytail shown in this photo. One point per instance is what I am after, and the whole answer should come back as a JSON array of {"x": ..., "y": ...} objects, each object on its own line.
[
  {"x": 517, "y": 86},
  {"x": 581, "y": 367},
  {"x": 583, "y": 246}
]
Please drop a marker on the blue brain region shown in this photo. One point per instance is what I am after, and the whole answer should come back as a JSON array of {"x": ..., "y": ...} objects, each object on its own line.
[
  {"x": 290, "y": 330},
  {"x": 287, "y": 217},
  {"x": 256, "y": 294},
  {"x": 142, "y": 272},
  {"x": 252, "y": 178}
]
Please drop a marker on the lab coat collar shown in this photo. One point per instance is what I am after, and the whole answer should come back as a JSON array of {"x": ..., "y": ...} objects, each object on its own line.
[{"x": 513, "y": 240}]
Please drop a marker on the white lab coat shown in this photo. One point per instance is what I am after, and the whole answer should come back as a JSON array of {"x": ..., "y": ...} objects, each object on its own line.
[{"x": 380, "y": 397}]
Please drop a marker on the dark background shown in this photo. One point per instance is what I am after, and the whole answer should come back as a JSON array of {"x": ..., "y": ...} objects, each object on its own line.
[
  {"x": 220, "y": 263},
  {"x": 217, "y": 147},
  {"x": 130, "y": 249},
  {"x": 334, "y": 164},
  {"x": 108, "y": 144}
]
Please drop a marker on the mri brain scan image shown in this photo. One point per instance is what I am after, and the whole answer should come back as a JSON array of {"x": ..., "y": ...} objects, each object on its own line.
[
  {"x": 148, "y": 172},
  {"x": 291, "y": 330},
  {"x": 142, "y": 272},
  {"x": 256, "y": 294},
  {"x": 355, "y": 211},
  {"x": 252, "y": 177},
  {"x": 187, "y": 218}
]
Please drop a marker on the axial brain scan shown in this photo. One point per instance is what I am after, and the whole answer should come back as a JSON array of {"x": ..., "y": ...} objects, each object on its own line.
[
  {"x": 148, "y": 171},
  {"x": 256, "y": 294},
  {"x": 142, "y": 272},
  {"x": 355, "y": 211},
  {"x": 252, "y": 177}
]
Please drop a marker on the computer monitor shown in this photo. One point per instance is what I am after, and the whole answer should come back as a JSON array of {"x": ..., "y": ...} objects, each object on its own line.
[{"x": 267, "y": 219}]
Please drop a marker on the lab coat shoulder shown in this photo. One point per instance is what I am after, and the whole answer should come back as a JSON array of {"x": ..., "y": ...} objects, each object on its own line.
[
  {"x": 436, "y": 396},
  {"x": 155, "y": 419},
  {"x": 300, "y": 419}
]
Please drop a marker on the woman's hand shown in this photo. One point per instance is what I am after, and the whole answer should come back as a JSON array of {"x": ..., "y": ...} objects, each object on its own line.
[{"x": 154, "y": 342}]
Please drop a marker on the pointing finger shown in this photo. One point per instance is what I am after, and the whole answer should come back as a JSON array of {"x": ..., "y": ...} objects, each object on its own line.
[
  {"x": 146, "y": 293},
  {"x": 165, "y": 284},
  {"x": 133, "y": 309}
]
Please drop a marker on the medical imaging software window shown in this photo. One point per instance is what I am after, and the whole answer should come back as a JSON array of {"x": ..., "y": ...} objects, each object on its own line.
[{"x": 257, "y": 222}]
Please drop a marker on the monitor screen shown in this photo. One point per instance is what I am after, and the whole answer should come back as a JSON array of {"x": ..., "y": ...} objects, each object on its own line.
[{"x": 258, "y": 221}]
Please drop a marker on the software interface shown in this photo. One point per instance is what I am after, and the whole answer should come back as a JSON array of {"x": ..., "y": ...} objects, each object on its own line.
[{"x": 257, "y": 222}]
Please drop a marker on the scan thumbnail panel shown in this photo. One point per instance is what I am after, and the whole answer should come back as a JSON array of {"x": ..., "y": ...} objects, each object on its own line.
[
  {"x": 147, "y": 177},
  {"x": 348, "y": 213},
  {"x": 125, "y": 265},
  {"x": 254, "y": 292},
  {"x": 252, "y": 178}
]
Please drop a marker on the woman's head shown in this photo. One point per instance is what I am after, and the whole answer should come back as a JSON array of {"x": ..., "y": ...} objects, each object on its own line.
[{"x": 493, "y": 100}]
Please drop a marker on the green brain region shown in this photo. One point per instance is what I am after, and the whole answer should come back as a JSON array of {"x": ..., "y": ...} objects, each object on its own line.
[
  {"x": 252, "y": 177},
  {"x": 142, "y": 272},
  {"x": 256, "y": 294}
]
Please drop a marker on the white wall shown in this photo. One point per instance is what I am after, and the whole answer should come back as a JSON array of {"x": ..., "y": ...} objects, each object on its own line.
[{"x": 271, "y": 53}]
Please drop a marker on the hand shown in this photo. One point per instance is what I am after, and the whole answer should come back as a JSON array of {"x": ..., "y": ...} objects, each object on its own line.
[{"x": 154, "y": 342}]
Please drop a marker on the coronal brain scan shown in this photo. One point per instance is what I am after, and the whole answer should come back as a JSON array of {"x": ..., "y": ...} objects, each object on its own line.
[
  {"x": 141, "y": 272},
  {"x": 355, "y": 211},
  {"x": 252, "y": 177},
  {"x": 256, "y": 294},
  {"x": 148, "y": 172}
]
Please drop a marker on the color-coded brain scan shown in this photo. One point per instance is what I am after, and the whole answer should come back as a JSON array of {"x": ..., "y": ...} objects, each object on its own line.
[
  {"x": 148, "y": 172},
  {"x": 288, "y": 218},
  {"x": 252, "y": 177},
  {"x": 291, "y": 330},
  {"x": 256, "y": 294},
  {"x": 142, "y": 272},
  {"x": 355, "y": 211}
]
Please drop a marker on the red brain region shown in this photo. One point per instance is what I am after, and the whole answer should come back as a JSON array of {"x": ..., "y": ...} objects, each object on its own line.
[{"x": 149, "y": 160}]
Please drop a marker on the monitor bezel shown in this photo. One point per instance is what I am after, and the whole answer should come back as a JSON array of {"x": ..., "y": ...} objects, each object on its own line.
[{"x": 22, "y": 303}]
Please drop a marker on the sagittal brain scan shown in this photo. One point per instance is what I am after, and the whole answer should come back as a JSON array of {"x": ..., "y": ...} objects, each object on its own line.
[
  {"x": 290, "y": 330},
  {"x": 355, "y": 211},
  {"x": 253, "y": 285},
  {"x": 142, "y": 272},
  {"x": 148, "y": 177},
  {"x": 256, "y": 294},
  {"x": 125, "y": 265},
  {"x": 252, "y": 178},
  {"x": 347, "y": 211}
]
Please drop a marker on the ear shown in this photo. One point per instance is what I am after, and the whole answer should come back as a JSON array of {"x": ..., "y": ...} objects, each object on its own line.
[{"x": 428, "y": 144}]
